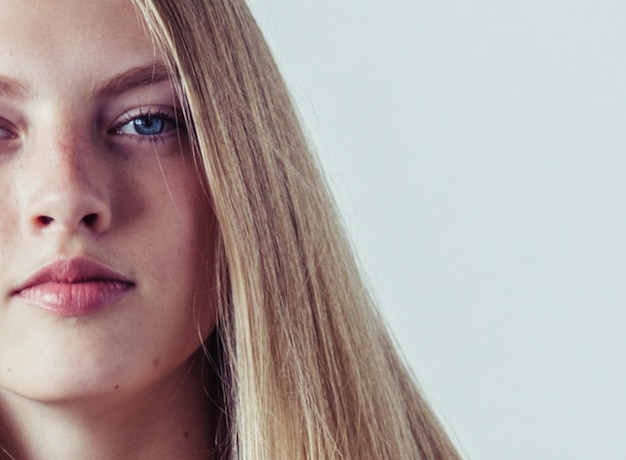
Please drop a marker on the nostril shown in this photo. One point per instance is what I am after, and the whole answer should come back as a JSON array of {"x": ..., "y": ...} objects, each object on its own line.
[
  {"x": 90, "y": 219},
  {"x": 44, "y": 220}
]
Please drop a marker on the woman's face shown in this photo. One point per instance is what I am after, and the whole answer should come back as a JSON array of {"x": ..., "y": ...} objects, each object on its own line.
[{"x": 103, "y": 227}]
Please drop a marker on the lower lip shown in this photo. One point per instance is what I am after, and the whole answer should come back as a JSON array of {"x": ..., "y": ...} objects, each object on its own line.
[{"x": 74, "y": 299}]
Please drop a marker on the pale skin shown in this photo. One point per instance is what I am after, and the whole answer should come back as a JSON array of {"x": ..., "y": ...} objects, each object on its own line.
[{"x": 92, "y": 166}]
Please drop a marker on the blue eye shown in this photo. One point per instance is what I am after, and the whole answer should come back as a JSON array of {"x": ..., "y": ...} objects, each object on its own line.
[
  {"x": 148, "y": 125},
  {"x": 155, "y": 125}
]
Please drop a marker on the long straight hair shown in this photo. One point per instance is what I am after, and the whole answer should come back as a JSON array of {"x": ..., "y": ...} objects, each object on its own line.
[{"x": 308, "y": 369}]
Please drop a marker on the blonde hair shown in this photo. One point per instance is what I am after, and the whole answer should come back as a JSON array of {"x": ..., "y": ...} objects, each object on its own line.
[{"x": 307, "y": 367}]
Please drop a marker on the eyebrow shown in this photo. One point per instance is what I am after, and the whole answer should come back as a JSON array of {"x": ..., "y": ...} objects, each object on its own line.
[{"x": 133, "y": 78}]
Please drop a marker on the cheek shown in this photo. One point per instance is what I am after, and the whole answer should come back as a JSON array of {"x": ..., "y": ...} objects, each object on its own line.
[
  {"x": 10, "y": 222},
  {"x": 184, "y": 215},
  {"x": 184, "y": 244}
]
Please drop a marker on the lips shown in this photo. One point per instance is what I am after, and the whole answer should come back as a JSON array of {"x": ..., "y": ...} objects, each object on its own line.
[{"x": 73, "y": 288}]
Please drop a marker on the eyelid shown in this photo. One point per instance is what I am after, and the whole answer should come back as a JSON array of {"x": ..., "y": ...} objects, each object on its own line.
[{"x": 171, "y": 113}]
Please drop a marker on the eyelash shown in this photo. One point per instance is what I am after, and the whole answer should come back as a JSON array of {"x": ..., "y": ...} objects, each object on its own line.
[{"x": 171, "y": 125}]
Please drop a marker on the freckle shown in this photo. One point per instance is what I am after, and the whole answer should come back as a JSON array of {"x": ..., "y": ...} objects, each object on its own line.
[
  {"x": 9, "y": 370},
  {"x": 117, "y": 387},
  {"x": 186, "y": 435},
  {"x": 156, "y": 362}
]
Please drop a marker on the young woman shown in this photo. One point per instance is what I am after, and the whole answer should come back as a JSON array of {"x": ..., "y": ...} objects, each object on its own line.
[{"x": 176, "y": 283}]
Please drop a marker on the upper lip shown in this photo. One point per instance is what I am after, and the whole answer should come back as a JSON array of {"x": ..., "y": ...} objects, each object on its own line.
[{"x": 70, "y": 271}]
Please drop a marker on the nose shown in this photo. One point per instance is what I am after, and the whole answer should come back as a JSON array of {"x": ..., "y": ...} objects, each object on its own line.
[{"x": 65, "y": 192}]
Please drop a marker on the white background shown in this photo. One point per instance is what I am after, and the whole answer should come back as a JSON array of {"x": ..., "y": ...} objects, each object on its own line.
[{"x": 477, "y": 151}]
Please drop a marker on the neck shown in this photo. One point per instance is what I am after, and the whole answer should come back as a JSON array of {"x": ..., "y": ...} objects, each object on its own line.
[{"x": 170, "y": 419}]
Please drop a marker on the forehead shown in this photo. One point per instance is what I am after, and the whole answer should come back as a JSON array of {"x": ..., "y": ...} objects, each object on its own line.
[{"x": 67, "y": 39}]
